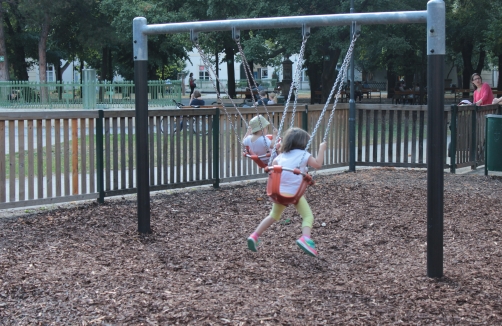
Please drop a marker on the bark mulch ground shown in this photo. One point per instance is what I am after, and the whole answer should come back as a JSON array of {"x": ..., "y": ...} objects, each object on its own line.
[{"x": 88, "y": 265}]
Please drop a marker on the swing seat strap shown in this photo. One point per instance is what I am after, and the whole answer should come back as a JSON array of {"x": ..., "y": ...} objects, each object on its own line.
[
  {"x": 256, "y": 158},
  {"x": 274, "y": 185}
]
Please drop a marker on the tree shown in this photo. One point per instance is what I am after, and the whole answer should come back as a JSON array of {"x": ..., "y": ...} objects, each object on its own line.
[
  {"x": 466, "y": 24},
  {"x": 4, "y": 64},
  {"x": 494, "y": 38}
]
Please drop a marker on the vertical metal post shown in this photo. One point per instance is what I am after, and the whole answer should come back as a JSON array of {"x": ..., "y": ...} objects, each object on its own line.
[
  {"x": 140, "y": 45},
  {"x": 435, "y": 136},
  {"x": 99, "y": 157},
  {"x": 486, "y": 149},
  {"x": 352, "y": 104},
  {"x": 216, "y": 149},
  {"x": 453, "y": 142},
  {"x": 473, "y": 148}
]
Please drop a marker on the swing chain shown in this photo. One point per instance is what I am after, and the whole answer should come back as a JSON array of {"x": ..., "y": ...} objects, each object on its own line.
[
  {"x": 338, "y": 83},
  {"x": 210, "y": 67},
  {"x": 296, "y": 81},
  {"x": 344, "y": 74},
  {"x": 247, "y": 70},
  {"x": 300, "y": 64}
]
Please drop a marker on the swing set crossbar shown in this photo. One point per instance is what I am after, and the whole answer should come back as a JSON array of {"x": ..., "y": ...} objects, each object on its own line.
[{"x": 398, "y": 17}]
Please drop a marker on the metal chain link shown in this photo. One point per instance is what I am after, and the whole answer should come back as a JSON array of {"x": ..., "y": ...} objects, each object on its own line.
[
  {"x": 338, "y": 83},
  {"x": 286, "y": 106},
  {"x": 247, "y": 69},
  {"x": 296, "y": 80},
  {"x": 208, "y": 66}
]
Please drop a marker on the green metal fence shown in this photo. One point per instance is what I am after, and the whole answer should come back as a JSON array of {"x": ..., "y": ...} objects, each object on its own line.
[{"x": 36, "y": 95}]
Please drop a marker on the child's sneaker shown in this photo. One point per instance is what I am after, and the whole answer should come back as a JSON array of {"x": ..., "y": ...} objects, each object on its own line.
[
  {"x": 253, "y": 242},
  {"x": 307, "y": 245}
]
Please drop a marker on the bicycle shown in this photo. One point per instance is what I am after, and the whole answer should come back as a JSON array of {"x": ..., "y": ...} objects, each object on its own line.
[{"x": 194, "y": 121}]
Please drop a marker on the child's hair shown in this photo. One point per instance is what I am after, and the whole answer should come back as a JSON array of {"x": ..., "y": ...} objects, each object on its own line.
[
  {"x": 272, "y": 96},
  {"x": 196, "y": 94},
  {"x": 294, "y": 138}
]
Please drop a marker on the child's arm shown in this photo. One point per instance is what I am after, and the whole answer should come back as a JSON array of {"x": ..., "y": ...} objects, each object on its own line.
[
  {"x": 316, "y": 163},
  {"x": 274, "y": 136}
]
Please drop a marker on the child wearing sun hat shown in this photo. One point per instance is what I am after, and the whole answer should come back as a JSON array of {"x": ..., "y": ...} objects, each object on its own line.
[{"x": 256, "y": 139}]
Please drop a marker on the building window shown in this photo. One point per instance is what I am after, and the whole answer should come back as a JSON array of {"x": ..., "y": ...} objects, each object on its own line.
[
  {"x": 50, "y": 73},
  {"x": 305, "y": 76},
  {"x": 203, "y": 74},
  {"x": 264, "y": 73}
]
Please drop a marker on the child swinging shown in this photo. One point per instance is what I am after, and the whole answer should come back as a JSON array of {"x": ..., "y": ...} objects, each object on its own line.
[
  {"x": 256, "y": 142},
  {"x": 292, "y": 152}
]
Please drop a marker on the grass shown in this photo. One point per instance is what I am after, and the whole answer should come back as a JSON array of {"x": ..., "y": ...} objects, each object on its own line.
[{"x": 112, "y": 139}]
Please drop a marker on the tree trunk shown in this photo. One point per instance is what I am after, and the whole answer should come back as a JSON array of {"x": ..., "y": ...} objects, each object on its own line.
[
  {"x": 329, "y": 72},
  {"x": 314, "y": 70},
  {"x": 4, "y": 65},
  {"x": 18, "y": 62},
  {"x": 42, "y": 57},
  {"x": 499, "y": 80},
  {"x": 468, "y": 69},
  {"x": 217, "y": 70},
  {"x": 229, "y": 58}
]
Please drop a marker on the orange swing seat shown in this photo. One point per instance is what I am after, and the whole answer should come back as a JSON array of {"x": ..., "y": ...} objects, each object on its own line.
[
  {"x": 274, "y": 183},
  {"x": 257, "y": 158}
]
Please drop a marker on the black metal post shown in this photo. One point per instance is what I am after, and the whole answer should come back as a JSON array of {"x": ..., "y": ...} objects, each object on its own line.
[
  {"x": 452, "y": 150},
  {"x": 473, "y": 150},
  {"x": 435, "y": 135},
  {"x": 140, "y": 49},
  {"x": 435, "y": 173},
  {"x": 99, "y": 157},
  {"x": 352, "y": 104},
  {"x": 142, "y": 164}
]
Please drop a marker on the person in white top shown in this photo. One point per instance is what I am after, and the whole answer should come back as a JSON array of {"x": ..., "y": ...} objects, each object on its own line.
[
  {"x": 293, "y": 154},
  {"x": 255, "y": 139},
  {"x": 272, "y": 99}
]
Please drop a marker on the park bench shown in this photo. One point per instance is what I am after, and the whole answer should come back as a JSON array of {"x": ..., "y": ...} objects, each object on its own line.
[
  {"x": 407, "y": 96},
  {"x": 318, "y": 96},
  {"x": 372, "y": 93}
]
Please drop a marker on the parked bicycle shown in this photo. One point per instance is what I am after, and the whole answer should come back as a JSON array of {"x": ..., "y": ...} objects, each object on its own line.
[{"x": 194, "y": 121}]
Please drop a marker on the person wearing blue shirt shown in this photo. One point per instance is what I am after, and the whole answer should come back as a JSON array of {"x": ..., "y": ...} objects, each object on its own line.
[
  {"x": 196, "y": 99},
  {"x": 263, "y": 98}
]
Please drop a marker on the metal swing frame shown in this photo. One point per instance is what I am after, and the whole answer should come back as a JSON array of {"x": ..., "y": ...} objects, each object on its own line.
[
  {"x": 275, "y": 172},
  {"x": 435, "y": 19}
]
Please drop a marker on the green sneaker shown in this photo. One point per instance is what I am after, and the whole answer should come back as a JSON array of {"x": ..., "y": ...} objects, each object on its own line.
[
  {"x": 307, "y": 245},
  {"x": 253, "y": 243}
]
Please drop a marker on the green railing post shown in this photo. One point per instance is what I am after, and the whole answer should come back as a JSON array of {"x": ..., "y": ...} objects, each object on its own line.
[
  {"x": 305, "y": 122},
  {"x": 474, "y": 139},
  {"x": 453, "y": 143},
  {"x": 216, "y": 149},
  {"x": 99, "y": 157}
]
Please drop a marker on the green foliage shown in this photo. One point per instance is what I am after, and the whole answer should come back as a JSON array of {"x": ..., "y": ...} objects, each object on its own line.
[{"x": 91, "y": 29}]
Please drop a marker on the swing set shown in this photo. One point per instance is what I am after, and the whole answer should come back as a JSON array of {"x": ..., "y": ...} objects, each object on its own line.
[
  {"x": 434, "y": 16},
  {"x": 275, "y": 172}
]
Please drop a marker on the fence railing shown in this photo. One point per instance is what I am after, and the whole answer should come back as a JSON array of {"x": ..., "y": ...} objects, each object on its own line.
[
  {"x": 23, "y": 94},
  {"x": 59, "y": 156},
  {"x": 468, "y": 123},
  {"x": 391, "y": 136}
]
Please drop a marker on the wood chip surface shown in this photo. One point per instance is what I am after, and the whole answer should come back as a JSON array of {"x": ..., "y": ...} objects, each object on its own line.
[{"x": 88, "y": 265}]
